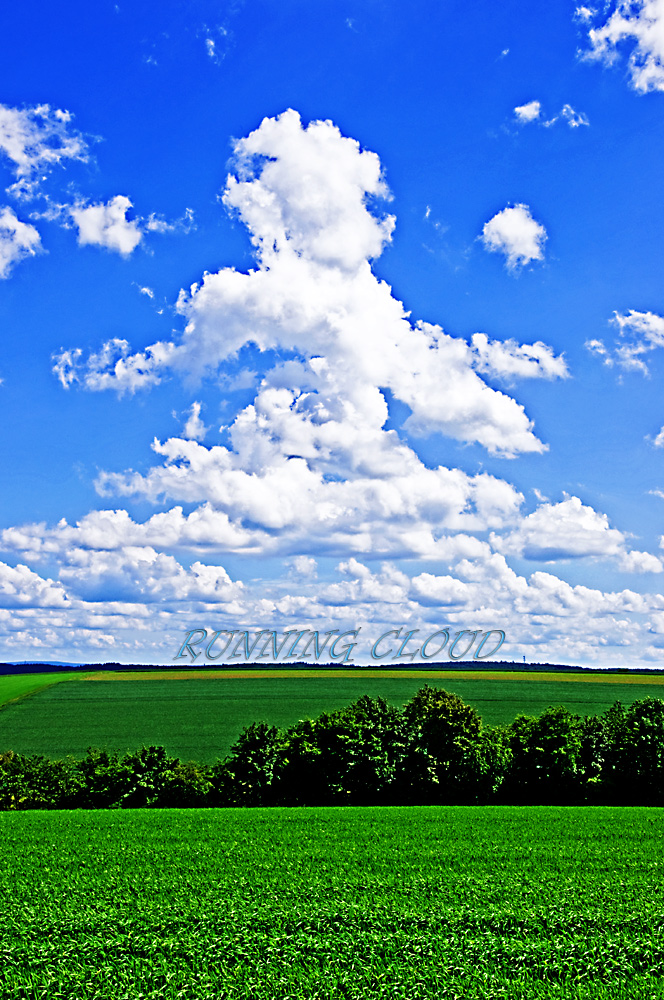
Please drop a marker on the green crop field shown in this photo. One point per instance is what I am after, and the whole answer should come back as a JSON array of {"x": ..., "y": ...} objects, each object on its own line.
[
  {"x": 475, "y": 902},
  {"x": 13, "y": 686},
  {"x": 199, "y": 716}
]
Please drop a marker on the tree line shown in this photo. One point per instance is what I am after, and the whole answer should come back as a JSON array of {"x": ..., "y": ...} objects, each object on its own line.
[{"x": 433, "y": 751}]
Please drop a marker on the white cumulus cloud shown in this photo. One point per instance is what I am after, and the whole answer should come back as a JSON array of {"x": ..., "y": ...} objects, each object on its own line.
[
  {"x": 306, "y": 189},
  {"x": 304, "y": 195},
  {"x": 507, "y": 359},
  {"x": 572, "y": 530},
  {"x": 516, "y": 234},
  {"x": 106, "y": 225},
  {"x": 20, "y": 587},
  {"x": 17, "y": 240},
  {"x": 638, "y": 24},
  {"x": 194, "y": 428},
  {"x": 529, "y": 112},
  {"x": 142, "y": 574}
]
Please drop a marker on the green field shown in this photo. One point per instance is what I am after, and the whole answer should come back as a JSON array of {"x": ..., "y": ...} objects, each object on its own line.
[
  {"x": 13, "y": 686},
  {"x": 484, "y": 902},
  {"x": 198, "y": 717}
]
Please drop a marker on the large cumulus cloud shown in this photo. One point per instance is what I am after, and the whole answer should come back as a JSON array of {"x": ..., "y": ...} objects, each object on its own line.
[{"x": 310, "y": 478}]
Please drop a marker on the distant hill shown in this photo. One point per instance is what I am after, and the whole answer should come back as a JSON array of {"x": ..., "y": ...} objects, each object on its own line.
[
  {"x": 32, "y": 667},
  {"x": 42, "y": 663}
]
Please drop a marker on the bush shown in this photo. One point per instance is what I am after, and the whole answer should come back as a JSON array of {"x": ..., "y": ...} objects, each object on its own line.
[{"x": 37, "y": 783}]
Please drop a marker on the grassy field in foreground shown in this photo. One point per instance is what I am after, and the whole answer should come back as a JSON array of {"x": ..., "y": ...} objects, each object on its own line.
[
  {"x": 404, "y": 904},
  {"x": 199, "y": 718}
]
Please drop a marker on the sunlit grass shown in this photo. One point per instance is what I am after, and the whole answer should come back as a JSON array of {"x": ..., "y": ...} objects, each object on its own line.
[{"x": 483, "y": 902}]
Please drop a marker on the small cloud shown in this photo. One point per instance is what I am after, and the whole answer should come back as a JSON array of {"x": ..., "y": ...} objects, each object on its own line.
[
  {"x": 302, "y": 566},
  {"x": 532, "y": 112},
  {"x": 639, "y": 562},
  {"x": 574, "y": 118},
  {"x": 35, "y": 140},
  {"x": 528, "y": 112},
  {"x": 106, "y": 224},
  {"x": 185, "y": 224},
  {"x": 112, "y": 366},
  {"x": 506, "y": 359},
  {"x": 440, "y": 227},
  {"x": 146, "y": 291},
  {"x": 516, "y": 234},
  {"x": 598, "y": 348},
  {"x": 216, "y": 40},
  {"x": 195, "y": 429},
  {"x": 639, "y": 333},
  {"x": 17, "y": 240},
  {"x": 504, "y": 53},
  {"x": 584, "y": 14}
]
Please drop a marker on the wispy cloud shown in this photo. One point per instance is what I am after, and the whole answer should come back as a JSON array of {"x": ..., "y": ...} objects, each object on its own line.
[
  {"x": 639, "y": 333},
  {"x": 525, "y": 114},
  {"x": 35, "y": 140}
]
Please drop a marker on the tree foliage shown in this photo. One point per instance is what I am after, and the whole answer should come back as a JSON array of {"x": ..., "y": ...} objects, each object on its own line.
[{"x": 433, "y": 751}]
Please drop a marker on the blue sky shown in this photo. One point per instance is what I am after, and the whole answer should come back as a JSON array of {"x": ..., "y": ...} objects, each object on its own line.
[{"x": 332, "y": 315}]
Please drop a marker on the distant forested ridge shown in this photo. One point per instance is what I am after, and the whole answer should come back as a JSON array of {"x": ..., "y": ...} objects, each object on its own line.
[{"x": 511, "y": 666}]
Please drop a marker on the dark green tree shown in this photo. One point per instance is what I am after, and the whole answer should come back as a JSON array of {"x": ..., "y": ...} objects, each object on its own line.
[
  {"x": 37, "y": 783},
  {"x": 105, "y": 780},
  {"x": 448, "y": 760},
  {"x": 148, "y": 768},
  {"x": 634, "y": 739},
  {"x": 352, "y": 756},
  {"x": 246, "y": 777},
  {"x": 546, "y": 759}
]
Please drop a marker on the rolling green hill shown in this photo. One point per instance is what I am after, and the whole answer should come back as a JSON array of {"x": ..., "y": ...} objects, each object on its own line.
[{"x": 198, "y": 716}]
